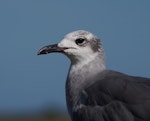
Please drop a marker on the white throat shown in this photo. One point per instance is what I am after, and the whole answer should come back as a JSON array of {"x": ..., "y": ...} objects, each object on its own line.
[
  {"x": 92, "y": 63},
  {"x": 81, "y": 71}
]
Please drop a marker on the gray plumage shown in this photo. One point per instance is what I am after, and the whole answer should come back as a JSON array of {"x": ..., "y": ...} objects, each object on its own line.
[{"x": 94, "y": 93}]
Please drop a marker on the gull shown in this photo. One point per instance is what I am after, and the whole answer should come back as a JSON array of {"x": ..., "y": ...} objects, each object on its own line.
[{"x": 94, "y": 93}]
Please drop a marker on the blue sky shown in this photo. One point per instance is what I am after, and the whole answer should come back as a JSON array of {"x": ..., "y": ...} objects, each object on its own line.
[{"x": 31, "y": 82}]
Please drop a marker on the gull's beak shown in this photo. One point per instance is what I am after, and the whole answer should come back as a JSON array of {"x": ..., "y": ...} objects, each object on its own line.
[{"x": 51, "y": 48}]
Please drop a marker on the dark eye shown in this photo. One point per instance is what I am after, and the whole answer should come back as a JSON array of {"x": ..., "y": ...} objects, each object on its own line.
[{"x": 80, "y": 41}]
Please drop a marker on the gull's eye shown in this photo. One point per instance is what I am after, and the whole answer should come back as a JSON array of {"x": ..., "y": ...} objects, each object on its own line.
[{"x": 80, "y": 41}]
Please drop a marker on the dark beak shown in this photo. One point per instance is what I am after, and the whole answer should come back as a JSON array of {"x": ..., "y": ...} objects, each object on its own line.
[{"x": 50, "y": 49}]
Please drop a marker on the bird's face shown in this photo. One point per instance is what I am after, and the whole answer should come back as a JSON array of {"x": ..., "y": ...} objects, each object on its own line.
[{"x": 78, "y": 46}]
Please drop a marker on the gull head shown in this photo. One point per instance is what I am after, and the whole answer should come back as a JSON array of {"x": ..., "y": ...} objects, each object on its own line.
[{"x": 79, "y": 46}]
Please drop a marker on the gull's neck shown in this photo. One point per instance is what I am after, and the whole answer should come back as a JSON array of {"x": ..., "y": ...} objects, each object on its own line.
[
  {"x": 80, "y": 75},
  {"x": 90, "y": 65}
]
